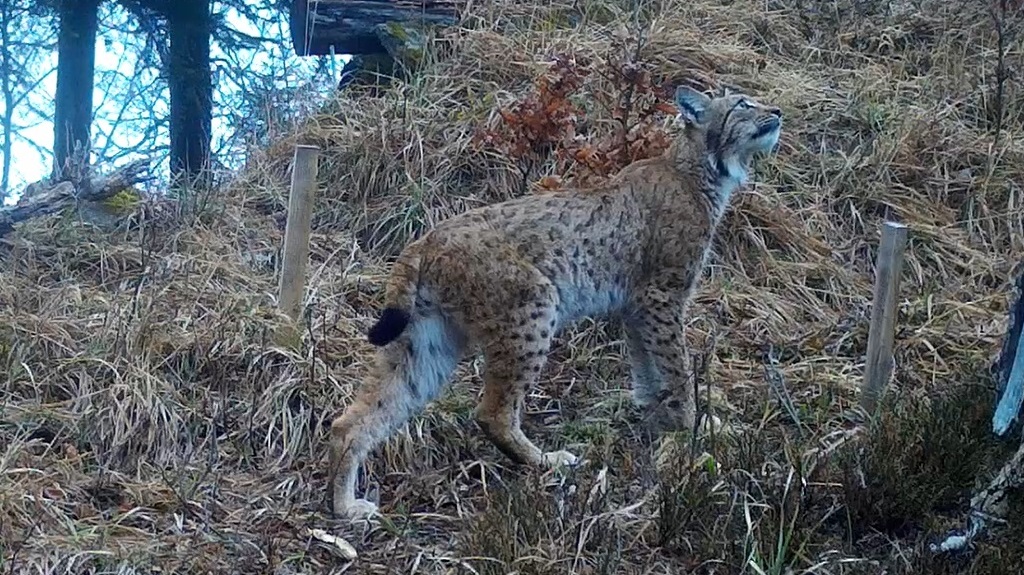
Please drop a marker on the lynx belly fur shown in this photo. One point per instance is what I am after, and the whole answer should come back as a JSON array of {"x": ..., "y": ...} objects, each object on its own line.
[{"x": 506, "y": 278}]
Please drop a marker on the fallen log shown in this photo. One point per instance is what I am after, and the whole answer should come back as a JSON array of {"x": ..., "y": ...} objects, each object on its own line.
[
  {"x": 42, "y": 198},
  {"x": 352, "y": 26}
]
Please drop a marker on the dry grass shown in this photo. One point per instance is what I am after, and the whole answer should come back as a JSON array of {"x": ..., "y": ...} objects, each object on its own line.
[{"x": 148, "y": 420}]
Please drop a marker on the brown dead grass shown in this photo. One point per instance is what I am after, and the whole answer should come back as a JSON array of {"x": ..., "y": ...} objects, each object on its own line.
[{"x": 149, "y": 420}]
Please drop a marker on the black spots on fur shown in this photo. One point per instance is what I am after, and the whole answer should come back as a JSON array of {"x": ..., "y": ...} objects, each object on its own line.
[
  {"x": 674, "y": 404},
  {"x": 525, "y": 357},
  {"x": 535, "y": 315},
  {"x": 544, "y": 334},
  {"x": 530, "y": 337},
  {"x": 391, "y": 324},
  {"x": 662, "y": 320},
  {"x": 524, "y": 295},
  {"x": 673, "y": 372}
]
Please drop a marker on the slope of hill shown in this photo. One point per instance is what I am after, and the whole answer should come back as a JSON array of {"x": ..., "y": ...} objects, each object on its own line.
[{"x": 149, "y": 421}]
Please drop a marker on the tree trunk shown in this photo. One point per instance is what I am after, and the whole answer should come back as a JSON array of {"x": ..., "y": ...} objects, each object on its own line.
[
  {"x": 190, "y": 24},
  {"x": 76, "y": 59},
  {"x": 6, "y": 88}
]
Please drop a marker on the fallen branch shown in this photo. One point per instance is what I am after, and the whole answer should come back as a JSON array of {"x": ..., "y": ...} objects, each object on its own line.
[{"x": 40, "y": 199}]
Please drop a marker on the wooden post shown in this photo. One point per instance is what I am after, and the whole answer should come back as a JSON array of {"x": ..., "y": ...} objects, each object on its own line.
[
  {"x": 889, "y": 265},
  {"x": 296, "y": 234}
]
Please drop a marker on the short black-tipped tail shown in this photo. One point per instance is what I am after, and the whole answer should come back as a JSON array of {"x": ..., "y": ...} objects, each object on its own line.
[{"x": 391, "y": 324}]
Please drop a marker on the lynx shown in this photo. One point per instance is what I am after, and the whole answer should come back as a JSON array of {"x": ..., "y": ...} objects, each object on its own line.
[{"x": 505, "y": 278}]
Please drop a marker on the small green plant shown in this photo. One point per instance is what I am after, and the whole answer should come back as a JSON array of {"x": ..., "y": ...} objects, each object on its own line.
[{"x": 123, "y": 201}]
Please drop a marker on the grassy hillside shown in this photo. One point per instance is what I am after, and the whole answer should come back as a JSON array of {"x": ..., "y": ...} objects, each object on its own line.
[{"x": 149, "y": 421}]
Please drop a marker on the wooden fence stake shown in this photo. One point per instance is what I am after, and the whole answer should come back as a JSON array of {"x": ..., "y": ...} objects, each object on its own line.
[
  {"x": 889, "y": 265},
  {"x": 295, "y": 254}
]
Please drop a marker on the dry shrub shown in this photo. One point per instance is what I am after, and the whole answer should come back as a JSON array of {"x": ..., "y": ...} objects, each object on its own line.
[{"x": 547, "y": 123}]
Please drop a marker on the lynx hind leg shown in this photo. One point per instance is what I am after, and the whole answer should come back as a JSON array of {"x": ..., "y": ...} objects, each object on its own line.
[
  {"x": 513, "y": 359},
  {"x": 410, "y": 372}
]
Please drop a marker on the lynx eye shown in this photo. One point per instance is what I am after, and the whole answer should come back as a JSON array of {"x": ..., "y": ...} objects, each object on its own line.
[{"x": 744, "y": 105}]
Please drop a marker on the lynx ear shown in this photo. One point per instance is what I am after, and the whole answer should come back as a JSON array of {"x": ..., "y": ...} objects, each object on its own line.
[{"x": 691, "y": 104}]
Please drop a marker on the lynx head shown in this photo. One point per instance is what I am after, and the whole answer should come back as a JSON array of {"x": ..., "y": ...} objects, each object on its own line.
[{"x": 734, "y": 126}]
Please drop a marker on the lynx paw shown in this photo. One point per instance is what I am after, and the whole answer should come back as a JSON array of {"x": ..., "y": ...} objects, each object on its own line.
[
  {"x": 559, "y": 459},
  {"x": 356, "y": 509},
  {"x": 711, "y": 423}
]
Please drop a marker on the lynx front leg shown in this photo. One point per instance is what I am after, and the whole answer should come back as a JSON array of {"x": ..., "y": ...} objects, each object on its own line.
[
  {"x": 656, "y": 340},
  {"x": 648, "y": 383}
]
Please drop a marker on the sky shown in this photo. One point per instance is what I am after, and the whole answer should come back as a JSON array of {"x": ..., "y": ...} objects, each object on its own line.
[{"x": 116, "y": 58}]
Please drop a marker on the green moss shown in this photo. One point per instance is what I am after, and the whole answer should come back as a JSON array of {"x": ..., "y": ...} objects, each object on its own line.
[
  {"x": 398, "y": 31},
  {"x": 123, "y": 201}
]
